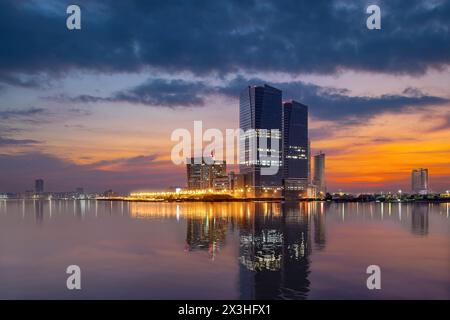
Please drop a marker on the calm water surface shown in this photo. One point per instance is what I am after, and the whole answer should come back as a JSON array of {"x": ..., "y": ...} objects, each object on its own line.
[{"x": 223, "y": 250}]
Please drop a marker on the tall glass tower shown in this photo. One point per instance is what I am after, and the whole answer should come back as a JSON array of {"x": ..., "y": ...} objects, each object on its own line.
[
  {"x": 259, "y": 109},
  {"x": 295, "y": 148}
]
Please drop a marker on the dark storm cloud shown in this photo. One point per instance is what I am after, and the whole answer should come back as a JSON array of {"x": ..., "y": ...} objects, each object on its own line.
[
  {"x": 223, "y": 36},
  {"x": 330, "y": 103},
  {"x": 17, "y": 142},
  {"x": 38, "y": 81},
  {"x": 154, "y": 92},
  {"x": 38, "y": 116},
  {"x": 133, "y": 161},
  {"x": 14, "y": 114},
  {"x": 30, "y": 116},
  {"x": 162, "y": 92},
  {"x": 325, "y": 102}
]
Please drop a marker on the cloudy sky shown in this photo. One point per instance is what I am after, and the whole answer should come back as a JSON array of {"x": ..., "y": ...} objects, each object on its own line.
[{"x": 96, "y": 107}]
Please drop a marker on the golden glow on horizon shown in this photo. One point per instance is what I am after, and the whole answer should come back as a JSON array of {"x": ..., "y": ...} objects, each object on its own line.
[
  {"x": 203, "y": 209},
  {"x": 379, "y": 153},
  {"x": 383, "y": 151}
]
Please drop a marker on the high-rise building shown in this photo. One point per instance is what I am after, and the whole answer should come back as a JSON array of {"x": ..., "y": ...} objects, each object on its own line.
[
  {"x": 260, "y": 112},
  {"x": 39, "y": 186},
  {"x": 237, "y": 182},
  {"x": 419, "y": 180},
  {"x": 295, "y": 148},
  {"x": 201, "y": 172},
  {"x": 319, "y": 172},
  {"x": 309, "y": 162},
  {"x": 79, "y": 190}
]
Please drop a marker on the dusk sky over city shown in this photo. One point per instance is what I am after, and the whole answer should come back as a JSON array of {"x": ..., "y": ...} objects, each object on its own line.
[{"x": 95, "y": 108}]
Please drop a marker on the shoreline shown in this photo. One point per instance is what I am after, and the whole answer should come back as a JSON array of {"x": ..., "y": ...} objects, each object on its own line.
[{"x": 270, "y": 200}]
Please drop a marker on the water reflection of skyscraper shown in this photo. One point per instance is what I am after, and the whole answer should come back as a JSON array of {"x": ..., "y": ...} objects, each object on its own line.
[
  {"x": 78, "y": 208},
  {"x": 274, "y": 253},
  {"x": 39, "y": 211},
  {"x": 318, "y": 213},
  {"x": 208, "y": 233},
  {"x": 419, "y": 219},
  {"x": 296, "y": 251}
]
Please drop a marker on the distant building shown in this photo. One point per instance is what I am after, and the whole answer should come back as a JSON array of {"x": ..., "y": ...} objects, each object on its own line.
[
  {"x": 319, "y": 173},
  {"x": 39, "y": 186},
  {"x": 197, "y": 174},
  {"x": 295, "y": 149},
  {"x": 259, "y": 113},
  {"x": 311, "y": 192},
  {"x": 445, "y": 194},
  {"x": 79, "y": 190},
  {"x": 218, "y": 170},
  {"x": 237, "y": 181},
  {"x": 109, "y": 193},
  {"x": 173, "y": 189},
  {"x": 221, "y": 183},
  {"x": 419, "y": 181},
  {"x": 202, "y": 171},
  {"x": 309, "y": 162}
]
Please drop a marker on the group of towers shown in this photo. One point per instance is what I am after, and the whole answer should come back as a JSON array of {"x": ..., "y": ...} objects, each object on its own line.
[
  {"x": 274, "y": 135},
  {"x": 262, "y": 110}
]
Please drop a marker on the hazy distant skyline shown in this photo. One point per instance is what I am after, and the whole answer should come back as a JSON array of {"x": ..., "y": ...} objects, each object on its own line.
[{"x": 95, "y": 108}]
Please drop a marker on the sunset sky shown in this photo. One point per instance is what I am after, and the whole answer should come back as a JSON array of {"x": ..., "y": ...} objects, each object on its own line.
[{"x": 95, "y": 107}]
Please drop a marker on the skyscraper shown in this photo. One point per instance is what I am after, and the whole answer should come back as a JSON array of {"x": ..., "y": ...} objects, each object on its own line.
[
  {"x": 319, "y": 172},
  {"x": 260, "y": 108},
  {"x": 295, "y": 148},
  {"x": 309, "y": 162},
  {"x": 419, "y": 180},
  {"x": 39, "y": 185}
]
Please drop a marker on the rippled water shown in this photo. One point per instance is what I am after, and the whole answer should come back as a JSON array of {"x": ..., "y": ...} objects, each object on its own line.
[{"x": 223, "y": 250}]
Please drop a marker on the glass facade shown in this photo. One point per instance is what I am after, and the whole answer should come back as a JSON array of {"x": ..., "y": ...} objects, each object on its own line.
[
  {"x": 295, "y": 140},
  {"x": 259, "y": 113}
]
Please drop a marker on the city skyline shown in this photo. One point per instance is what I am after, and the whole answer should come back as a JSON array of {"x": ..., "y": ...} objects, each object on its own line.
[
  {"x": 292, "y": 115},
  {"x": 92, "y": 109},
  {"x": 224, "y": 156}
]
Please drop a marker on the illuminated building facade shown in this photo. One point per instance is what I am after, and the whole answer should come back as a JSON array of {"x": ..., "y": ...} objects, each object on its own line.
[
  {"x": 295, "y": 149},
  {"x": 236, "y": 181},
  {"x": 201, "y": 172},
  {"x": 221, "y": 183},
  {"x": 259, "y": 113}
]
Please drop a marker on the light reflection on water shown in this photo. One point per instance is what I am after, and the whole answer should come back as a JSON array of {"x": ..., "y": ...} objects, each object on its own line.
[{"x": 193, "y": 250}]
